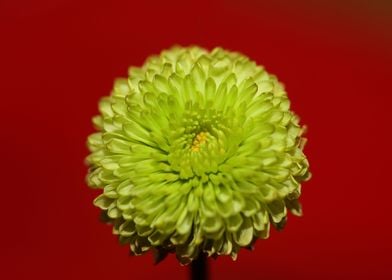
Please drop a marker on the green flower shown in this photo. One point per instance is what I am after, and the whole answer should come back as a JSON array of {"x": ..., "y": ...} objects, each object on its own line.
[{"x": 196, "y": 151}]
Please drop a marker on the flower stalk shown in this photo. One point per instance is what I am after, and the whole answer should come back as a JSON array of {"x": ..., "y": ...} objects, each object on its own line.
[{"x": 199, "y": 268}]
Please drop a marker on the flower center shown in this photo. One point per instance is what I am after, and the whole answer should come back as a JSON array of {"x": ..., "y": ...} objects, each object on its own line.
[{"x": 200, "y": 139}]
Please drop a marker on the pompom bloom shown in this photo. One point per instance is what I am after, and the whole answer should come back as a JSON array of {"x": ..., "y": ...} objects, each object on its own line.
[{"x": 197, "y": 151}]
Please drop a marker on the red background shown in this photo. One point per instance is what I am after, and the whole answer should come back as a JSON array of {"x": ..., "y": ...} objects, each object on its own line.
[{"x": 58, "y": 57}]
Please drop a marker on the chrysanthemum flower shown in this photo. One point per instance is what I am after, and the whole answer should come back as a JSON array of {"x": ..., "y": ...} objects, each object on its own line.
[{"x": 196, "y": 151}]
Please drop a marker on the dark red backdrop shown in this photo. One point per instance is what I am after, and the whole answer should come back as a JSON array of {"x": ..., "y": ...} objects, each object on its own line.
[{"x": 58, "y": 57}]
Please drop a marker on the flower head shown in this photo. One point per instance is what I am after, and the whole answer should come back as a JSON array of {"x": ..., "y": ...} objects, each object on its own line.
[{"x": 196, "y": 151}]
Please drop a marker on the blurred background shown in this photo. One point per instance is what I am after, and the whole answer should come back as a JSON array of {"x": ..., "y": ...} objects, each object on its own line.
[{"x": 59, "y": 57}]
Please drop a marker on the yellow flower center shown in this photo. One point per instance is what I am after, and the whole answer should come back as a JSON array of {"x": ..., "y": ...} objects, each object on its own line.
[{"x": 200, "y": 138}]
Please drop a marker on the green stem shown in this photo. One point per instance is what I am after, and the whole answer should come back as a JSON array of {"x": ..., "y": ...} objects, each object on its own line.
[{"x": 199, "y": 268}]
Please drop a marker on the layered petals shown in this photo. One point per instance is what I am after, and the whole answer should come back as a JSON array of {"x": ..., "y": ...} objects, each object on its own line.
[{"x": 196, "y": 151}]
